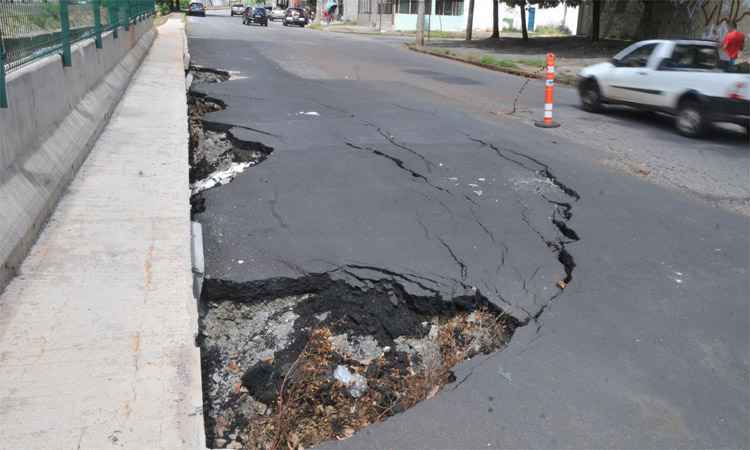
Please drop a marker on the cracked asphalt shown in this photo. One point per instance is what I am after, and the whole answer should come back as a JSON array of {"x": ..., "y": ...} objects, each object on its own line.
[{"x": 386, "y": 164}]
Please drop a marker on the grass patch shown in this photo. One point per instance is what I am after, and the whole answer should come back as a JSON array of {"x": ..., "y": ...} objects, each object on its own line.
[
  {"x": 315, "y": 26},
  {"x": 551, "y": 30},
  {"x": 446, "y": 34},
  {"x": 535, "y": 62},
  {"x": 500, "y": 63},
  {"x": 443, "y": 51}
]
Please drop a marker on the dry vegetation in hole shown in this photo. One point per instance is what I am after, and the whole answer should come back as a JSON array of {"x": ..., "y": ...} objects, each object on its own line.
[{"x": 312, "y": 406}]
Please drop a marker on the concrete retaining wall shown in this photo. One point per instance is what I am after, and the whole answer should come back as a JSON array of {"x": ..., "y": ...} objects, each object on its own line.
[
  {"x": 55, "y": 115},
  {"x": 639, "y": 20}
]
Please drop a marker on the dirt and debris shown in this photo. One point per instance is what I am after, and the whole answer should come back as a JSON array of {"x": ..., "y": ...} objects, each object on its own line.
[
  {"x": 208, "y": 75},
  {"x": 290, "y": 363}
]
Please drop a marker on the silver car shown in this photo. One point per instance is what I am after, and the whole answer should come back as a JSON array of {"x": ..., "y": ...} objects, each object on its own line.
[
  {"x": 278, "y": 14},
  {"x": 237, "y": 9}
]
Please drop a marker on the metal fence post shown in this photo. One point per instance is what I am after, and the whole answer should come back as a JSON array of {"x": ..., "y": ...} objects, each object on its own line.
[
  {"x": 112, "y": 16},
  {"x": 97, "y": 5},
  {"x": 127, "y": 14},
  {"x": 3, "y": 93},
  {"x": 65, "y": 27}
]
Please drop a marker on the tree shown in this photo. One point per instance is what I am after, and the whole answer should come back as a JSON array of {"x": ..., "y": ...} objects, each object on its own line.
[
  {"x": 420, "y": 23},
  {"x": 596, "y": 13},
  {"x": 646, "y": 24},
  {"x": 495, "y": 19},
  {"x": 541, "y": 4},
  {"x": 470, "y": 21},
  {"x": 521, "y": 4}
]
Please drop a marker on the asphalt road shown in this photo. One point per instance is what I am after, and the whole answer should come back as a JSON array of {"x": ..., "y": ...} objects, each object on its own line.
[{"x": 388, "y": 164}]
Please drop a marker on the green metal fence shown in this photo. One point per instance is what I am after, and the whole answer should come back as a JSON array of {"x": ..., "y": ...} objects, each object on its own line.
[{"x": 31, "y": 29}]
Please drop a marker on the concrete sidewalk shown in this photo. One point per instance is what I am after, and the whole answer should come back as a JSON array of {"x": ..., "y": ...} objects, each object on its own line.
[{"x": 97, "y": 331}]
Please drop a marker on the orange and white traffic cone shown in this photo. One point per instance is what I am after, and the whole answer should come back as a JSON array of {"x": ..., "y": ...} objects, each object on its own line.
[{"x": 549, "y": 90}]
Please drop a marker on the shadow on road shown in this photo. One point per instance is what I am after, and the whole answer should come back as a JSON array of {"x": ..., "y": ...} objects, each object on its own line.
[{"x": 654, "y": 122}]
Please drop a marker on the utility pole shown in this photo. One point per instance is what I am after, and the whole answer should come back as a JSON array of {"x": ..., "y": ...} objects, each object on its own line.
[
  {"x": 470, "y": 22},
  {"x": 420, "y": 24},
  {"x": 380, "y": 20}
]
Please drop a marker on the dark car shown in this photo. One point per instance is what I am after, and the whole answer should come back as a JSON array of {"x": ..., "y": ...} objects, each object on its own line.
[
  {"x": 255, "y": 15},
  {"x": 295, "y": 16},
  {"x": 197, "y": 9}
]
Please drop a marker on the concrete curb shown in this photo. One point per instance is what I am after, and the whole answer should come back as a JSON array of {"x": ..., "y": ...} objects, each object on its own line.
[
  {"x": 199, "y": 266},
  {"x": 570, "y": 81}
]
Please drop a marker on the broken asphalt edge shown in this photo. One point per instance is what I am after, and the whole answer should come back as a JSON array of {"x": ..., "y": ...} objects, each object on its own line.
[{"x": 559, "y": 78}]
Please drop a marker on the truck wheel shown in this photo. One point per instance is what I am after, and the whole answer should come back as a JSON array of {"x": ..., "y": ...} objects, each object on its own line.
[
  {"x": 591, "y": 96},
  {"x": 690, "y": 120}
]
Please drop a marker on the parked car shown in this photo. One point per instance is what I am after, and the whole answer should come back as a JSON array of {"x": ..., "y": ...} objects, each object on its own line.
[
  {"x": 277, "y": 14},
  {"x": 237, "y": 9},
  {"x": 255, "y": 15},
  {"x": 295, "y": 16},
  {"x": 196, "y": 9},
  {"x": 679, "y": 77}
]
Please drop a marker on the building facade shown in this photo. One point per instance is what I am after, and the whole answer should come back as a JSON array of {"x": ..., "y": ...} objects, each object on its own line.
[{"x": 451, "y": 15}]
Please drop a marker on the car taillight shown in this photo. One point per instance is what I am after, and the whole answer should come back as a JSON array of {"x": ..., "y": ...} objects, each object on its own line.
[{"x": 736, "y": 91}]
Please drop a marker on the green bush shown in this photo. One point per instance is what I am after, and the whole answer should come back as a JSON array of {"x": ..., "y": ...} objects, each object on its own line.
[
  {"x": 163, "y": 8},
  {"x": 45, "y": 16},
  {"x": 535, "y": 62},
  {"x": 508, "y": 25},
  {"x": 552, "y": 30}
]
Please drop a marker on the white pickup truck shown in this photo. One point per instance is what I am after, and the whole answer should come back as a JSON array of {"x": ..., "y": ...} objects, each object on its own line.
[{"x": 679, "y": 77}]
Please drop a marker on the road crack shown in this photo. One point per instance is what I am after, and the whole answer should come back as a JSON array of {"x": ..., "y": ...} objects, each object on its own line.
[{"x": 401, "y": 165}]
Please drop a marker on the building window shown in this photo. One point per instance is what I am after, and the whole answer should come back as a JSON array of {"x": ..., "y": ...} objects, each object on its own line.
[
  {"x": 364, "y": 7},
  {"x": 412, "y": 6},
  {"x": 449, "y": 7}
]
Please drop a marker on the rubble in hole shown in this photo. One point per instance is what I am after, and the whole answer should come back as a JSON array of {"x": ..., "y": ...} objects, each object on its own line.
[
  {"x": 316, "y": 359},
  {"x": 199, "y": 74}
]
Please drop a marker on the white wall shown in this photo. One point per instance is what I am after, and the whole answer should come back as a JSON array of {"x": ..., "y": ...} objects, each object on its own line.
[
  {"x": 350, "y": 9},
  {"x": 548, "y": 16}
]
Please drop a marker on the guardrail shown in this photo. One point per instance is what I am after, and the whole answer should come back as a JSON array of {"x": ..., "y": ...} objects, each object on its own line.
[{"x": 32, "y": 29}]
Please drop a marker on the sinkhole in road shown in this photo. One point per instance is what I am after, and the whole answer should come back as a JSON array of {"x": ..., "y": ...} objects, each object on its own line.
[
  {"x": 216, "y": 156},
  {"x": 293, "y": 362},
  {"x": 290, "y": 363}
]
